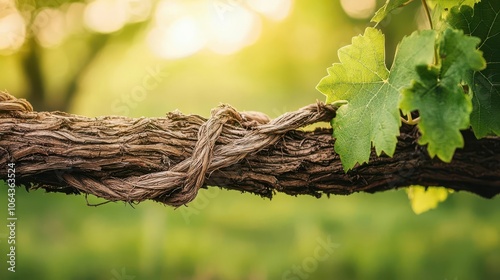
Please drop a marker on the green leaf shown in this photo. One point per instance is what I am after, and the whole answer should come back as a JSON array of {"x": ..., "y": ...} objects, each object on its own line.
[
  {"x": 443, "y": 112},
  {"x": 459, "y": 55},
  {"x": 362, "y": 79},
  {"x": 483, "y": 22},
  {"x": 441, "y": 10},
  {"x": 448, "y": 4},
  {"x": 423, "y": 199},
  {"x": 443, "y": 106},
  {"x": 389, "y": 6}
]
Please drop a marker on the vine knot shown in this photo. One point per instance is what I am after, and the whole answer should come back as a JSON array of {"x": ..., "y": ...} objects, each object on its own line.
[
  {"x": 209, "y": 145},
  {"x": 257, "y": 135},
  {"x": 11, "y": 103}
]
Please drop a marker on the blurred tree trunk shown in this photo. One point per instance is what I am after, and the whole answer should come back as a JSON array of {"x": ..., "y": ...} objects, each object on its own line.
[
  {"x": 32, "y": 67},
  {"x": 168, "y": 159}
]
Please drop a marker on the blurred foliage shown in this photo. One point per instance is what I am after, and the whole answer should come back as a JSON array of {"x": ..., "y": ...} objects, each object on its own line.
[{"x": 227, "y": 235}]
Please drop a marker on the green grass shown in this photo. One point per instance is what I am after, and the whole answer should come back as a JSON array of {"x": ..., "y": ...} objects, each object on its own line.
[{"x": 242, "y": 236}]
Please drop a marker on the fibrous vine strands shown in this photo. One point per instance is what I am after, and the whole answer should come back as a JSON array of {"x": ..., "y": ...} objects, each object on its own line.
[{"x": 169, "y": 159}]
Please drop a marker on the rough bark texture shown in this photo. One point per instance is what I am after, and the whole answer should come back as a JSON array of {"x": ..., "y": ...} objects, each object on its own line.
[{"x": 168, "y": 159}]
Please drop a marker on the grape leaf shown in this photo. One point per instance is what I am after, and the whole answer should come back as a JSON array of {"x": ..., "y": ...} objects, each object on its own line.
[
  {"x": 423, "y": 199},
  {"x": 389, "y": 6},
  {"x": 441, "y": 5},
  {"x": 483, "y": 22},
  {"x": 441, "y": 10},
  {"x": 371, "y": 114},
  {"x": 448, "y": 4},
  {"x": 443, "y": 106}
]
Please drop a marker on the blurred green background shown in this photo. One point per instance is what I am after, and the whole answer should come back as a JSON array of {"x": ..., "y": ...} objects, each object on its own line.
[{"x": 146, "y": 58}]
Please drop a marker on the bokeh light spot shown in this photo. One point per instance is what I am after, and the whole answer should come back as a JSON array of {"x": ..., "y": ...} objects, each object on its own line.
[
  {"x": 105, "y": 16},
  {"x": 360, "y": 9},
  {"x": 182, "y": 38},
  {"x": 273, "y": 9}
]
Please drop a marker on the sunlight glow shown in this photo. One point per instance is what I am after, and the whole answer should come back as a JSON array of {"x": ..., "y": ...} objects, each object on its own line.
[
  {"x": 12, "y": 29},
  {"x": 238, "y": 29},
  {"x": 182, "y": 28},
  {"x": 108, "y": 16},
  {"x": 182, "y": 38},
  {"x": 49, "y": 27},
  {"x": 74, "y": 17},
  {"x": 168, "y": 10},
  {"x": 178, "y": 28},
  {"x": 360, "y": 9},
  {"x": 273, "y": 9},
  {"x": 105, "y": 16},
  {"x": 138, "y": 10}
]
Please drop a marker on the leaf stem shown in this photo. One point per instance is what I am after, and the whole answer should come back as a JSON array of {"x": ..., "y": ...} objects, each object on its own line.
[
  {"x": 429, "y": 18},
  {"x": 410, "y": 120},
  {"x": 428, "y": 13}
]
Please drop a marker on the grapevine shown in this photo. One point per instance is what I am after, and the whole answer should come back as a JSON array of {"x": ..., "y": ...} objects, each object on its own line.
[{"x": 446, "y": 76}]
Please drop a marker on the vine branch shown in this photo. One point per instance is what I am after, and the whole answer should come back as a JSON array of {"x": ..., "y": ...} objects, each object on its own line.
[{"x": 169, "y": 159}]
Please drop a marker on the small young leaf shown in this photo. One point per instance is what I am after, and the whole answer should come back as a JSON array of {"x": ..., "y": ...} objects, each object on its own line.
[
  {"x": 441, "y": 10},
  {"x": 483, "y": 22},
  {"x": 372, "y": 93},
  {"x": 443, "y": 106},
  {"x": 448, "y": 4},
  {"x": 423, "y": 199},
  {"x": 389, "y": 6}
]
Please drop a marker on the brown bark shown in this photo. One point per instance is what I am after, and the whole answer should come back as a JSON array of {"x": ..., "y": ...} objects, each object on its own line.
[{"x": 168, "y": 159}]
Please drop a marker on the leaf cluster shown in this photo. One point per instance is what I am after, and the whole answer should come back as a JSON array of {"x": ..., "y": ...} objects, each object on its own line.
[{"x": 444, "y": 79}]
